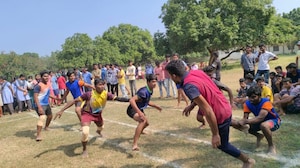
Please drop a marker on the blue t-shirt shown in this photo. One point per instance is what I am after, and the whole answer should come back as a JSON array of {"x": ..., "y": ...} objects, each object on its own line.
[
  {"x": 54, "y": 82},
  {"x": 74, "y": 88},
  {"x": 103, "y": 73},
  {"x": 144, "y": 94},
  {"x": 294, "y": 78},
  {"x": 87, "y": 77}
]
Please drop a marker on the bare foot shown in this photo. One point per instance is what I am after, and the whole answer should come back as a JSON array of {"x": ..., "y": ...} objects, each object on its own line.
[
  {"x": 259, "y": 138},
  {"x": 202, "y": 126},
  {"x": 272, "y": 150},
  {"x": 85, "y": 154},
  {"x": 47, "y": 129},
  {"x": 135, "y": 148},
  {"x": 99, "y": 132},
  {"x": 145, "y": 132},
  {"x": 38, "y": 138},
  {"x": 250, "y": 163}
]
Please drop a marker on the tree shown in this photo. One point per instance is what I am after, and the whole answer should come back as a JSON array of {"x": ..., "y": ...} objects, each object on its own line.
[
  {"x": 161, "y": 44},
  {"x": 77, "y": 51},
  {"x": 195, "y": 26},
  {"x": 132, "y": 42}
]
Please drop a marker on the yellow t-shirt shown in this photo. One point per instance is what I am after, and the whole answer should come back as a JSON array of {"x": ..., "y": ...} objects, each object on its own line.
[
  {"x": 267, "y": 92},
  {"x": 121, "y": 80}
]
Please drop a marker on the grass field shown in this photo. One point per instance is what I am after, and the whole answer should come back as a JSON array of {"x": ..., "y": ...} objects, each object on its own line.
[{"x": 173, "y": 140}]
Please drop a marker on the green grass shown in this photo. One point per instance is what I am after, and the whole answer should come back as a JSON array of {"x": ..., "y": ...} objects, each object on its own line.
[{"x": 173, "y": 140}]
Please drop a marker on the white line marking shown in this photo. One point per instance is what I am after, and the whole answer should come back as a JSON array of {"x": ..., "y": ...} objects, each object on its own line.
[
  {"x": 289, "y": 162},
  {"x": 13, "y": 120},
  {"x": 153, "y": 158}
]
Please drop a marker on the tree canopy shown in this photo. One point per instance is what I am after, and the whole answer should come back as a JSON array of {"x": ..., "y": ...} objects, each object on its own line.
[{"x": 194, "y": 26}]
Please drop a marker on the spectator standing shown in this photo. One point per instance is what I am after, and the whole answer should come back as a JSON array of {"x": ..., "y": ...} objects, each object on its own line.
[
  {"x": 168, "y": 81},
  {"x": 160, "y": 78},
  {"x": 7, "y": 93},
  {"x": 87, "y": 78},
  {"x": 130, "y": 72},
  {"x": 248, "y": 61},
  {"x": 263, "y": 59}
]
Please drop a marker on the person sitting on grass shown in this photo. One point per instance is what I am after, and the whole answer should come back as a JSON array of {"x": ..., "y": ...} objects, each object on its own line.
[
  {"x": 289, "y": 102},
  {"x": 242, "y": 93},
  {"x": 137, "y": 105},
  {"x": 266, "y": 91},
  {"x": 93, "y": 104},
  {"x": 266, "y": 118},
  {"x": 200, "y": 89}
]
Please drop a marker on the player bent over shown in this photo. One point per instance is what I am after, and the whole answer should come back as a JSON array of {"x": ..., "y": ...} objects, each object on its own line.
[
  {"x": 138, "y": 103},
  {"x": 200, "y": 89},
  {"x": 93, "y": 104}
]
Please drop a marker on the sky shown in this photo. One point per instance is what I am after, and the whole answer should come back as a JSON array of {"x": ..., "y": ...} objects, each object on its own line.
[{"x": 42, "y": 26}]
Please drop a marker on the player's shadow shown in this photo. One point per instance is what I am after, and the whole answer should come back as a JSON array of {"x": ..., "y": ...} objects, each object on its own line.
[
  {"x": 69, "y": 150},
  {"x": 32, "y": 133},
  {"x": 26, "y": 133}
]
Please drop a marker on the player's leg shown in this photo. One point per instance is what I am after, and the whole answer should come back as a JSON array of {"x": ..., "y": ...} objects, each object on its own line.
[
  {"x": 78, "y": 110},
  {"x": 48, "y": 113},
  {"x": 85, "y": 137},
  {"x": 267, "y": 127},
  {"x": 254, "y": 128}
]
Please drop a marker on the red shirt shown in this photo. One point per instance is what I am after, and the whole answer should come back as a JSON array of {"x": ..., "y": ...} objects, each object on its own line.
[
  {"x": 61, "y": 81},
  {"x": 197, "y": 83}
]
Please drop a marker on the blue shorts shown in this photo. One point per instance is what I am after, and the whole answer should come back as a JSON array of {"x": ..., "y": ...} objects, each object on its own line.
[{"x": 273, "y": 123}]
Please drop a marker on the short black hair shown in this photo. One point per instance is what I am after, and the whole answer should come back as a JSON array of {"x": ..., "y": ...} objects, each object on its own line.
[
  {"x": 97, "y": 81},
  {"x": 249, "y": 76},
  {"x": 208, "y": 68},
  {"x": 69, "y": 73},
  {"x": 176, "y": 67},
  {"x": 167, "y": 55},
  {"x": 260, "y": 78},
  {"x": 42, "y": 73},
  {"x": 242, "y": 80},
  {"x": 292, "y": 65},
  {"x": 254, "y": 90},
  {"x": 261, "y": 45},
  {"x": 278, "y": 67},
  {"x": 272, "y": 73},
  {"x": 150, "y": 77}
]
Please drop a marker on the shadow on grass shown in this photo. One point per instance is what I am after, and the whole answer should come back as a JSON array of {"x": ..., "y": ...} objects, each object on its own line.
[
  {"x": 68, "y": 150},
  {"x": 26, "y": 134}
]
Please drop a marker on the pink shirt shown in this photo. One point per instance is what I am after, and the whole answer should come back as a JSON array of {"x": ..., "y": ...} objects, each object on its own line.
[
  {"x": 159, "y": 73},
  {"x": 212, "y": 94},
  {"x": 166, "y": 73}
]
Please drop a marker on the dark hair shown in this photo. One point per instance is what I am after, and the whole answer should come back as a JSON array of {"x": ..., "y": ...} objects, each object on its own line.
[
  {"x": 261, "y": 45},
  {"x": 167, "y": 55},
  {"x": 287, "y": 80},
  {"x": 260, "y": 78},
  {"x": 176, "y": 67},
  {"x": 176, "y": 54},
  {"x": 22, "y": 75},
  {"x": 97, "y": 81},
  {"x": 292, "y": 65},
  {"x": 1, "y": 77},
  {"x": 256, "y": 90},
  {"x": 208, "y": 68},
  {"x": 42, "y": 73},
  {"x": 150, "y": 77},
  {"x": 242, "y": 80},
  {"x": 157, "y": 63},
  {"x": 272, "y": 73},
  {"x": 278, "y": 67},
  {"x": 69, "y": 73},
  {"x": 249, "y": 76}
]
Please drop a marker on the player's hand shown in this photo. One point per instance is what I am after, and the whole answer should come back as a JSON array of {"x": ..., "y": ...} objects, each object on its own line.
[
  {"x": 216, "y": 141},
  {"x": 187, "y": 110},
  {"x": 142, "y": 117},
  {"x": 58, "y": 114},
  {"x": 242, "y": 122},
  {"x": 40, "y": 110},
  {"x": 159, "y": 108}
]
